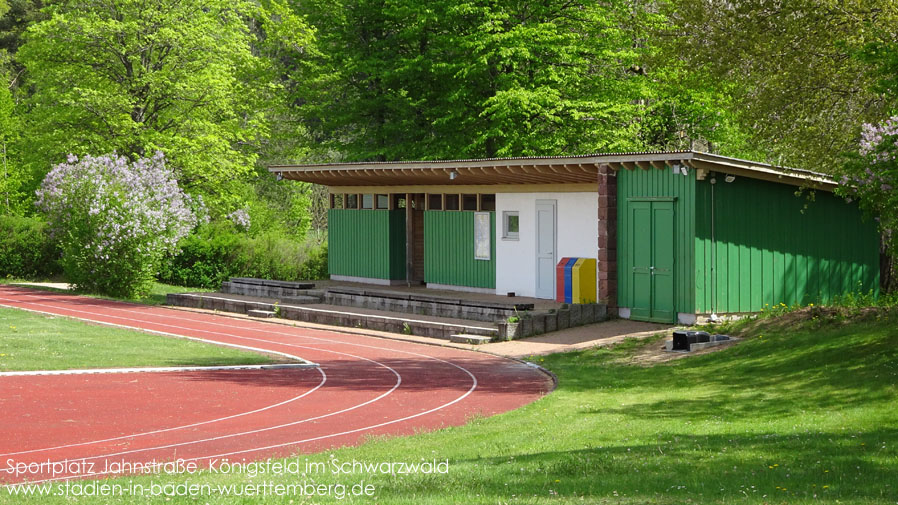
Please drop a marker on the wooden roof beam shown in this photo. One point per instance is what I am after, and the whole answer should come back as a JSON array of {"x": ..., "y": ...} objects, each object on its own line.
[{"x": 517, "y": 176}]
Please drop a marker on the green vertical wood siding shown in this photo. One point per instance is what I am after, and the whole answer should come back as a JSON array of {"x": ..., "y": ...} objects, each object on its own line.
[
  {"x": 449, "y": 250},
  {"x": 366, "y": 243},
  {"x": 774, "y": 247},
  {"x": 653, "y": 182}
]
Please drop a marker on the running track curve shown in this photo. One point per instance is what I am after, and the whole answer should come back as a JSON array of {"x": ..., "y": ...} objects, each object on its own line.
[{"x": 363, "y": 386}]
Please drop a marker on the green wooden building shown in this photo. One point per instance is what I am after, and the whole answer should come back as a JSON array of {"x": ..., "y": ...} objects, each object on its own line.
[
  {"x": 676, "y": 235},
  {"x": 730, "y": 236}
]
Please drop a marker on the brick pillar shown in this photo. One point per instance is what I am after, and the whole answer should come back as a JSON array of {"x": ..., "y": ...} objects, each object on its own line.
[{"x": 607, "y": 254}]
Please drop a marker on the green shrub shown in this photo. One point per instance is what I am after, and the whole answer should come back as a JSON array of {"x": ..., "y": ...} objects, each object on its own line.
[
  {"x": 26, "y": 249},
  {"x": 205, "y": 258},
  {"x": 216, "y": 252}
]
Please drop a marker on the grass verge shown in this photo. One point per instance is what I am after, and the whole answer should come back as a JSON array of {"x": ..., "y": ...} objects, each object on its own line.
[
  {"x": 156, "y": 296},
  {"x": 32, "y": 341},
  {"x": 794, "y": 415}
]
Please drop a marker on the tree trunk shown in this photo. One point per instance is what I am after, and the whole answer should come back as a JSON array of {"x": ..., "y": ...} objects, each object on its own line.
[{"x": 888, "y": 271}]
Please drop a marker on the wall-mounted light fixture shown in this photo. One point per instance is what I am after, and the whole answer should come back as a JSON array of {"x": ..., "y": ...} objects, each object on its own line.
[
  {"x": 730, "y": 178},
  {"x": 453, "y": 175},
  {"x": 279, "y": 176}
]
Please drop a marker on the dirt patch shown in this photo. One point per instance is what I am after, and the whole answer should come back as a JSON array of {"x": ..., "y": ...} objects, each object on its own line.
[{"x": 655, "y": 352}]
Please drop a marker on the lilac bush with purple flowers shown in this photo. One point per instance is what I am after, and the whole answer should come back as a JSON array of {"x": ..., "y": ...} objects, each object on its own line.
[
  {"x": 240, "y": 218},
  {"x": 115, "y": 220},
  {"x": 871, "y": 177}
]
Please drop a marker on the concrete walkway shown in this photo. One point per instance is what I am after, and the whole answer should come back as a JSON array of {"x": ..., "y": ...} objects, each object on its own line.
[{"x": 571, "y": 339}]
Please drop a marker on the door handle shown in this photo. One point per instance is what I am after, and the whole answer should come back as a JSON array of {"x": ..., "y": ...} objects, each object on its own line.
[{"x": 652, "y": 270}]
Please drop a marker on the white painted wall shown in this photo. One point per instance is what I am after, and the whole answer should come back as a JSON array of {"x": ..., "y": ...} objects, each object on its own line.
[{"x": 576, "y": 230}]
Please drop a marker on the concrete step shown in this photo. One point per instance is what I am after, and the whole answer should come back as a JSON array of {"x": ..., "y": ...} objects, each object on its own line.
[
  {"x": 271, "y": 282},
  {"x": 260, "y": 313},
  {"x": 270, "y": 289},
  {"x": 422, "y": 305},
  {"x": 470, "y": 339},
  {"x": 299, "y": 300},
  {"x": 335, "y": 316}
]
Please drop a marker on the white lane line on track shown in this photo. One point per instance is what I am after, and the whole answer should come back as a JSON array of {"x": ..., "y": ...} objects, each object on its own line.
[
  {"x": 165, "y": 430},
  {"x": 158, "y": 369},
  {"x": 294, "y": 442},
  {"x": 145, "y": 330},
  {"x": 395, "y": 386},
  {"x": 466, "y": 394}
]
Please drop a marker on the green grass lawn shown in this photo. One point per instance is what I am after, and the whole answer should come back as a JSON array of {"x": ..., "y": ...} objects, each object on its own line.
[
  {"x": 802, "y": 415},
  {"x": 30, "y": 341}
]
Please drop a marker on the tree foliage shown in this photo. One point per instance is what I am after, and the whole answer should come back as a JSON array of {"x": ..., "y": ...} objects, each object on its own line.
[
  {"x": 797, "y": 86},
  {"x": 184, "y": 76},
  {"x": 19, "y": 15},
  {"x": 11, "y": 177},
  {"x": 871, "y": 177},
  {"x": 443, "y": 79}
]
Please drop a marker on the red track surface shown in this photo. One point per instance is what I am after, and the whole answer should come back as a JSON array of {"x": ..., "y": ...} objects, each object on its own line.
[{"x": 364, "y": 386}]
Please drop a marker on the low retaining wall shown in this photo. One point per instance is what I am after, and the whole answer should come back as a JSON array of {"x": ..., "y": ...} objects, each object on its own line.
[
  {"x": 331, "y": 317},
  {"x": 532, "y": 324},
  {"x": 263, "y": 288},
  {"x": 424, "y": 305}
]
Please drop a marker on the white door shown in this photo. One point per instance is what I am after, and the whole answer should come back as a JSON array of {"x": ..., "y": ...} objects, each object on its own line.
[{"x": 545, "y": 249}]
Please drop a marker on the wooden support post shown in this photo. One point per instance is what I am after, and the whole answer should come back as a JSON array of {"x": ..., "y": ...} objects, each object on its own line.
[
  {"x": 606, "y": 264},
  {"x": 409, "y": 240}
]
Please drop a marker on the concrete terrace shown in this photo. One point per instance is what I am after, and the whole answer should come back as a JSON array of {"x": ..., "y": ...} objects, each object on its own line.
[{"x": 412, "y": 310}]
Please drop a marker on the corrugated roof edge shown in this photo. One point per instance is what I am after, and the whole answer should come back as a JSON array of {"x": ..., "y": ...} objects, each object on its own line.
[
  {"x": 276, "y": 168},
  {"x": 597, "y": 158}
]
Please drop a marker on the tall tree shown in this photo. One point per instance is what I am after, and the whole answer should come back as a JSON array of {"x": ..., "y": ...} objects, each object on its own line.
[
  {"x": 794, "y": 80},
  {"x": 9, "y": 129},
  {"x": 445, "y": 78},
  {"x": 13, "y": 23},
  {"x": 186, "y": 77}
]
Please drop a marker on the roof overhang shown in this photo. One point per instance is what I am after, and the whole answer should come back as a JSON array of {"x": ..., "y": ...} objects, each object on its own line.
[{"x": 538, "y": 170}]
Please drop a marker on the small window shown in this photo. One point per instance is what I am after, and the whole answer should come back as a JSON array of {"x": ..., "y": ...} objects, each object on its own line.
[
  {"x": 398, "y": 200},
  {"x": 452, "y": 202},
  {"x": 482, "y": 236},
  {"x": 510, "y": 225},
  {"x": 352, "y": 201},
  {"x": 337, "y": 201},
  {"x": 469, "y": 202},
  {"x": 383, "y": 201},
  {"x": 434, "y": 202},
  {"x": 368, "y": 201},
  {"x": 488, "y": 203}
]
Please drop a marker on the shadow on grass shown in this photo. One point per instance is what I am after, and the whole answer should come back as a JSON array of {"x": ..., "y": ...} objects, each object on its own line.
[{"x": 706, "y": 468}]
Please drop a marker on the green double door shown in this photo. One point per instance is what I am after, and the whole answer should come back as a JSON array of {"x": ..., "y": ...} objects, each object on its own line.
[{"x": 651, "y": 259}]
